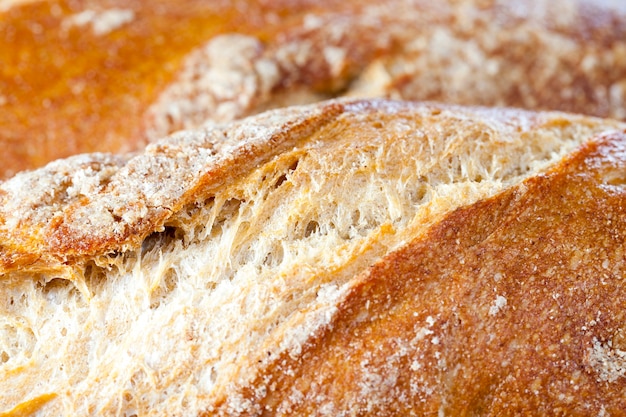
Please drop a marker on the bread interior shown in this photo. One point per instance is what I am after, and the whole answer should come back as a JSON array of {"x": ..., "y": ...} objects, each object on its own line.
[{"x": 252, "y": 270}]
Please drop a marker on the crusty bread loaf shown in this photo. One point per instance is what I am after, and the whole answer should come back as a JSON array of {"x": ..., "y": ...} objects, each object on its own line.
[
  {"x": 343, "y": 258},
  {"x": 111, "y": 76}
]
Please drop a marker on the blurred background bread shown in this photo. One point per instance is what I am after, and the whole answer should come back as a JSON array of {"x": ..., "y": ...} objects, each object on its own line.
[{"x": 111, "y": 76}]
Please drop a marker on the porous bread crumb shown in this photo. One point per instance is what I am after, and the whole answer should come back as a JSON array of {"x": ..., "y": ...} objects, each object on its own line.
[
  {"x": 532, "y": 358},
  {"x": 255, "y": 254}
]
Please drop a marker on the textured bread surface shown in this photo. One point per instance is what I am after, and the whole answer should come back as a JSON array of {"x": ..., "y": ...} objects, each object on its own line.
[
  {"x": 111, "y": 76},
  {"x": 358, "y": 257}
]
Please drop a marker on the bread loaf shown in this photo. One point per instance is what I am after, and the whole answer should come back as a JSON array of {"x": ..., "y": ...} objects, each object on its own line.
[
  {"x": 353, "y": 257},
  {"x": 113, "y": 76}
]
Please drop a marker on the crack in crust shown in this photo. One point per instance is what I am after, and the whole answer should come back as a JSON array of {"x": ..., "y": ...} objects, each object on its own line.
[
  {"x": 95, "y": 204},
  {"x": 92, "y": 205},
  {"x": 417, "y": 334}
]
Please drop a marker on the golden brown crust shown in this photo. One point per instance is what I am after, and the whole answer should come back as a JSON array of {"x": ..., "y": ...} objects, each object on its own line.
[
  {"x": 92, "y": 76},
  {"x": 494, "y": 311},
  {"x": 230, "y": 269}
]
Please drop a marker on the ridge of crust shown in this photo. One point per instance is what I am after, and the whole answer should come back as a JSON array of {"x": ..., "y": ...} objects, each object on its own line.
[
  {"x": 97, "y": 204},
  {"x": 92, "y": 205}
]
